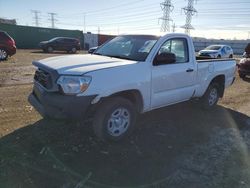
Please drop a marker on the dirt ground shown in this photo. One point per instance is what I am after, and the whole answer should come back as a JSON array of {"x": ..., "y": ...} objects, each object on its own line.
[{"x": 178, "y": 146}]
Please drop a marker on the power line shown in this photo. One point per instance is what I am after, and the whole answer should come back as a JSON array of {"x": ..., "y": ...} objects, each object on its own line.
[
  {"x": 190, "y": 11},
  {"x": 167, "y": 7},
  {"x": 98, "y": 11}
]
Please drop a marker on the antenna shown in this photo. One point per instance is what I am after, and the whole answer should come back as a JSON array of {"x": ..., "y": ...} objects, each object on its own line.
[
  {"x": 190, "y": 11},
  {"x": 167, "y": 8}
]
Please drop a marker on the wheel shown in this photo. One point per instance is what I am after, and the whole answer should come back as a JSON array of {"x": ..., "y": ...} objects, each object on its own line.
[
  {"x": 211, "y": 96},
  {"x": 73, "y": 50},
  {"x": 50, "y": 49},
  {"x": 231, "y": 56},
  {"x": 219, "y": 57},
  {"x": 3, "y": 54},
  {"x": 114, "y": 119},
  {"x": 242, "y": 75}
]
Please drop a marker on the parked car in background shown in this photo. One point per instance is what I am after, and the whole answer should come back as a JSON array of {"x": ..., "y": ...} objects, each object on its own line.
[
  {"x": 7, "y": 45},
  {"x": 217, "y": 51},
  {"x": 91, "y": 50},
  {"x": 244, "y": 65},
  {"x": 61, "y": 44}
]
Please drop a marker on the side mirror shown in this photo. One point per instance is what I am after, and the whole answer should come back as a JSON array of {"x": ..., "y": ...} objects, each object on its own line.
[
  {"x": 244, "y": 55},
  {"x": 165, "y": 58},
  {"x": 93, "y": 49}
]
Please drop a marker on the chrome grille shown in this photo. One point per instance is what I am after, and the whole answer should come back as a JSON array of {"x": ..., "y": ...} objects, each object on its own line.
[{"x": 43, "y": 78}]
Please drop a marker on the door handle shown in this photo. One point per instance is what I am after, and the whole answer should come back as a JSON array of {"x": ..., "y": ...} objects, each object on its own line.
[{"x": 189, "y": 70}]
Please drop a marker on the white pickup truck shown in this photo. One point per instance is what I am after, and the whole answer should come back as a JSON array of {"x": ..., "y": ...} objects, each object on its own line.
[{"x": 128, "y": 75}]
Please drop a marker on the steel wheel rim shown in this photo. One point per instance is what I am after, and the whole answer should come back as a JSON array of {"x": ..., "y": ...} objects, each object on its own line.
[
  {"x": 50, "y": 49},
  {"x": 118, "y": 122},
  {"x": 213, "y": 95},
  {"x": 3, "y": 54},
  {"x": 73, "y": 50}
]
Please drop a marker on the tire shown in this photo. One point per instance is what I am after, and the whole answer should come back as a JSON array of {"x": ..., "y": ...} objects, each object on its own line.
[
  {"x": 211, "y": 96},
  {"x": 219, "y": 57},
  {"x": 242, "y": 75},
  {"x": 114, "y": 119},
  {"x": 73, "y": 50},
  {"x": 3, "y": 54},
  {"x": 231, "y": 56},
  {"x": 50, "y": 49}
]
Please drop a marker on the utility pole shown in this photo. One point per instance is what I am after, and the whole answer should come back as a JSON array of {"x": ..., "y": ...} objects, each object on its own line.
[
  {"x": 167, "y": 7},
  {"x": 52, "y": 19},
  {"x": 36, "y": 17},
  {"x": 173, "y": 28},
  {"x": 118, "y": 30},
  {"x": 190, "y": 11},
  {"x": 84, "y": 22}
]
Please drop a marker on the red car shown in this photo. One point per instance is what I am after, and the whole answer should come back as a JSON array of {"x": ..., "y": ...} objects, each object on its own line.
[
  {"x": 244, "y": 65},
  {"x": 7, "y": 46}
]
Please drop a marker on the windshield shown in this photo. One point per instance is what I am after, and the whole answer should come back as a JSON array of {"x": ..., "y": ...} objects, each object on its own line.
[
  {"x": 213, "y": 48},
  {"x": 133, "y": 47},
  {"x": 54, "y": 39}
]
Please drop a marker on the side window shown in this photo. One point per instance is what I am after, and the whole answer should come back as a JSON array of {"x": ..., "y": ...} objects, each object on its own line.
[
  {"x": 178, "y": 47},
  {"x": 58, "y": 40},
  {"x": 70, "y": 41},
  {"x": 65, "y": 40},
  {"x": 224, "y": 50}
]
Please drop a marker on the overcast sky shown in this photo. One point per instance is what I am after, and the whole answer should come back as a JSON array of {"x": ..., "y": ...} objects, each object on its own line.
[{"x": 215, "y": 19}]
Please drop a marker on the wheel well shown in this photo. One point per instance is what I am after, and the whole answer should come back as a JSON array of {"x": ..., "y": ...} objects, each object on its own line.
[
  {"x": 3, "y": 48},
  {"x": 132, "y": 95},
  {"x": 220, "y": 80}
]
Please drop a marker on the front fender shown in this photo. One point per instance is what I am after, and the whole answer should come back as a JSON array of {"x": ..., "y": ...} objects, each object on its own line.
[{"x": 107, "y": 82}]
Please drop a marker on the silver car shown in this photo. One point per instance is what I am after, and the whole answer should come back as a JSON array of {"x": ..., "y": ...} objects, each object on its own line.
[{"x": 217, "y": 51}]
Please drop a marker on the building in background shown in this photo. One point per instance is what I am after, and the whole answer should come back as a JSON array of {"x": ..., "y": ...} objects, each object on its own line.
[{"x": 8, "y": 21}]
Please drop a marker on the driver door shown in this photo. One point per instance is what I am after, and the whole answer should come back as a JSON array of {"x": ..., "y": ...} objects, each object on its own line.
[{"x": 172, "y": 83}]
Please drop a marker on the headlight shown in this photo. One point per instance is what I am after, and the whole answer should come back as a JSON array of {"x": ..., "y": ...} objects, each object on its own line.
[{"x": 72, "y": 85}]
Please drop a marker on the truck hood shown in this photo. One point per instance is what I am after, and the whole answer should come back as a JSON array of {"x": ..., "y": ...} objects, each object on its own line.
[{"x": 80, "y": 64}]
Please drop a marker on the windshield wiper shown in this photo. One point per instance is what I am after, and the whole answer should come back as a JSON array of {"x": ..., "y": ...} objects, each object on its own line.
[{"x": 121, "y": 57}]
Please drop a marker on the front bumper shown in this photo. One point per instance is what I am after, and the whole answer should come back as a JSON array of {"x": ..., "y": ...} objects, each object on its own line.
[{"x": 57, "y": 106}]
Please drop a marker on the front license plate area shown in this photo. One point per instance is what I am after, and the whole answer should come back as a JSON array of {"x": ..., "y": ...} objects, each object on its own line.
[{"x": 38, "y": 91}]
